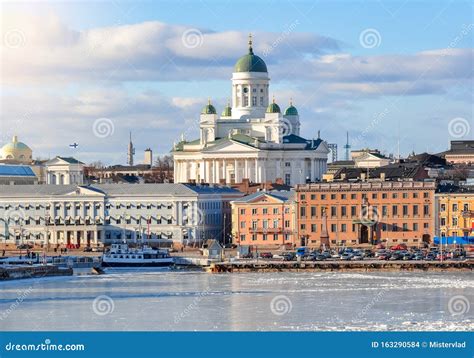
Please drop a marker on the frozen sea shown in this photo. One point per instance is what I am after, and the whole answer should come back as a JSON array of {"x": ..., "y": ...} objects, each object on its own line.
[{"x": 155, "y": 300}]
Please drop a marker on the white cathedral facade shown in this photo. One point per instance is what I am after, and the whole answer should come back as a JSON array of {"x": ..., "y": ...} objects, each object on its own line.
[{"x": 251, "y": 139}]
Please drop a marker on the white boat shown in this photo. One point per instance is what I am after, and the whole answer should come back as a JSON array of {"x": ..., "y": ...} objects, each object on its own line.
[{"x": 121, "y": 255}]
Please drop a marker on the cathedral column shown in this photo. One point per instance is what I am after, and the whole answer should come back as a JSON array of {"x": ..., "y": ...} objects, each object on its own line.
[
  {"x": 313, "y": 170},
  {"x": 207, "y": 166},
  {"x": 224, "y": 176},
  {"x": 201, "y": 171},
  {"x": 246, "y": 170},
  {"x": 256, "y": 170},
  {"x": 236, "y": 171}
]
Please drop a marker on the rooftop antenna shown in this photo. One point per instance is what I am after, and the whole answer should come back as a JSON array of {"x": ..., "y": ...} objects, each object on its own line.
[{"x": 250, "y": 44}]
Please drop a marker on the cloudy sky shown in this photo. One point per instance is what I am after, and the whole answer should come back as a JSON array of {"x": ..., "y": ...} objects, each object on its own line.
[{"x": 89, "y": 72}]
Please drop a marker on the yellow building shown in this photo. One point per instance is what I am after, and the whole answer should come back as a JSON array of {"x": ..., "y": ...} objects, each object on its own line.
[
  {"x": 455, "y": 219},
  {"x": 16, "y": 152}
]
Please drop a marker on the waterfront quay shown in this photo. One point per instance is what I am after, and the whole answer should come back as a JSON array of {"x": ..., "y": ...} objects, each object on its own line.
[{"x": 333, "y": 265}]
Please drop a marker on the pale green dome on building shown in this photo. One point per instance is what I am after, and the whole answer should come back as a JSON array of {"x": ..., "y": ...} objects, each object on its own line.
[
  {"x": 273, "y": 107},
  {"x": 291, "y": 110},
  {"x": 209, "y": 108},
  {"x": 250, "y": 62},
  {"x": 227, "y": 112}
]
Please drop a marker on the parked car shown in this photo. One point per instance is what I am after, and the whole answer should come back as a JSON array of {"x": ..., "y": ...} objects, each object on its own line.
[
  {"x": 288, "y": 256},
  {"x": 24, "y": 247},
  {"x": 266, "y": 255},
  {"x": 87, "y": 249},
  {"x": 357, "y": 257},
  {"x": 346, "y": 256}
]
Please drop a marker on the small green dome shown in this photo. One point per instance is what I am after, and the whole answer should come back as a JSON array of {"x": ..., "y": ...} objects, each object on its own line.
[
  {"x": 291, "y": 110},
  {"x": 250, "y": 62},
  {"x": 227, "y": 112},
  {"x": 209, "y": 109},
  {"x": 273, "y": 107}
]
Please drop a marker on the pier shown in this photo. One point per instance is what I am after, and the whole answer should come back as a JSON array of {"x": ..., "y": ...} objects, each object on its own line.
[
  {"x": 21, "y": 272},
  {"x": 361, "y": 266}
]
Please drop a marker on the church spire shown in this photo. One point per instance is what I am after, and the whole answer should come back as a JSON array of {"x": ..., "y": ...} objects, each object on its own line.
[{"x": 250, "y": 44}]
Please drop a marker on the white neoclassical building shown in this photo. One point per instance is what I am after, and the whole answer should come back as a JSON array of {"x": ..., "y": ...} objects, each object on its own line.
[
  {"x": 64, "y": 171},
  {"x": 252, "y": 139}
]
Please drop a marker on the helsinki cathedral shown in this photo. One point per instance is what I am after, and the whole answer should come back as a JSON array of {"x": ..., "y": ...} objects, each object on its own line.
[{"x": 252, "y": 139}]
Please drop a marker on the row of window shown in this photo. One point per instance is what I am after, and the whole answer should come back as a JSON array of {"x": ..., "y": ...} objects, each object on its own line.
[
  {"x": 384, "y": 227},
  {"x": 355, "y": 196},
  {"x": 454, "y": 221},
  {"x": 264, "y": 211},
  {"x": 265, "y": 224},
  {"x": 455, "y": 207},
  {"x": 265, "y": 237},
  {"x": 372, "y": 210}
]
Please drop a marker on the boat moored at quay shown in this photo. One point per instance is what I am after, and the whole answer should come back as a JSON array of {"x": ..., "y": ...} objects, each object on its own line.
[{"x": 121, "y": 255}]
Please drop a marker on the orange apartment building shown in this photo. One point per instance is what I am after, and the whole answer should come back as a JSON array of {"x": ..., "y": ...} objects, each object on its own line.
[
  {"x": 366, "y": 213},
  {"x": 265, "y": 219}
]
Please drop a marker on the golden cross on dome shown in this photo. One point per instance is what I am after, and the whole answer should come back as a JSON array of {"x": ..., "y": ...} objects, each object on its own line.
[{"x": 250, "y": 43}]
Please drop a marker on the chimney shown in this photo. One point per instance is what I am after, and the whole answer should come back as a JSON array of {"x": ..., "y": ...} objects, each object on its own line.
[
  {"x": 279, "y": 181},
  {"x": 382, "y": 176},
  {"x": 343, "y": 176},
  {"x": 362, "y": 176}
]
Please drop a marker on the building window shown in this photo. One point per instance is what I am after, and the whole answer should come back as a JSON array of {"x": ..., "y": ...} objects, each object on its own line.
[
  {"x": 394, "y": 195},
  {"x": 287, "y": 210},
  {"x": 303, "y": 211},
  {"x": 287, "y": 164},
  {"x": 394, "y": 227},
  {"x": 261, "y": 101},
  {"x": 333, "y": 196},
  {"x": 343, "y": 227},
  {"x": 455, "y": 207},
  {"x": 242, "y": 224},
  {"x": 254, "y": 211},
  {"x": 374, "y": 196},
  {"x": 254, "y": 237},
  {"x": 287, "y": 179},
  {"x": 343, "y": 211},
  {"x": 276, "y": 224},
  {"x": 466, "y": 207},
  {"x": 415, "y": 195},
  {"x": 313, "y": 196},
  {"x": 415, "y": 210},
  {"x": 384, "y": 195},
  {"x": 275, "y": 237},
  {"x": 443, "y": 207},
  {"x": 287, "y": 237},
  {"x": 264, "y": 211},
  {"x": 405, "y": 195},
  {"x": 405, "y": 210},
  {"x": 455, "y": 221},
  {"x": 384, "y": 210},
  {"x": 313, "y": 227},
  {"x": 353, "y": 210},
  {"x": 426, "y": 195},
  {"x": 303, "y": 226},
  {"x": 333, "y": 211},
  {"x": 343, "y": 196},
  {"x": 353, "y": 196},
  {"x": 323, "y": 197},
  {"x": 313, "y": 211},
  {"x": 426, "y": 210},
  {"x": 394, "y": 210},
  {"x": 254, "y": 224},
  {"x": 265, "y": 237},
  {"x": 275, "y": 211},
  {"x": 426, "y": 226},
  {"x": 265, "y": 224},
  {"x": 287, "y": 223},
  {"x": 415, "y": 227},
  {"x": 405, "y": 227},
  {"x": 333, "y": 227},
  {"x": 254, "y": 100},
  {"x": 242, "y": 211}
]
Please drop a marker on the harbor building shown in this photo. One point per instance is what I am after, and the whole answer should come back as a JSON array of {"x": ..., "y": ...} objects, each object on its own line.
[
  {"x": 455, "y": 216},
  {"x": 366, "y": 213},
  {"x": 265, "y": 219},
  {"x": 76, "y": 216},
  {"x": 460, "y": 152},
  {"x": 252, "y": 139}
]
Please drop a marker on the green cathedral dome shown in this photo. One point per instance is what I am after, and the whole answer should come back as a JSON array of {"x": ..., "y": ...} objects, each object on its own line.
[
  {"x": 227, "y": 112},
  {"x": 291, "y": 110},
  {"x": 273, "y": 107},
  {"x": 250, "y": 62},
  {"x": 209, "y": 109}
]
